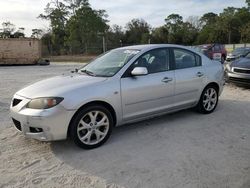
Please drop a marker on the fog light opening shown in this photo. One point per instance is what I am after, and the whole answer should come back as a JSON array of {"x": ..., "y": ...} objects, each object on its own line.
[{"x": 36, "y": 130}]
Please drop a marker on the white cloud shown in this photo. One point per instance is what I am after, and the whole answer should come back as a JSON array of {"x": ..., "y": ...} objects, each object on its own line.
[
  {"x": 154, "y": 12},
  {"x": 23, "y": 13}
]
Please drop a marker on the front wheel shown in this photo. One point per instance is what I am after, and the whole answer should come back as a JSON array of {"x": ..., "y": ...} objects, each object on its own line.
[
  {"x": 208, "y": 100},
  {"x": 91, "y": 127}
]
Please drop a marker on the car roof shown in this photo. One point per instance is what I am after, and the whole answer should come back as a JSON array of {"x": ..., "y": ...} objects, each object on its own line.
[
  {"x": 209, "y": 45},
  {"x": 242, "y": 48},
  {"x": 152, "y": 46}
]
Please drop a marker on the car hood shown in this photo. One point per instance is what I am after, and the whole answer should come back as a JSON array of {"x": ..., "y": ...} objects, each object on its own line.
[
  {"x": 241, "y": 63},
  {"x": 57, "y": 86}
]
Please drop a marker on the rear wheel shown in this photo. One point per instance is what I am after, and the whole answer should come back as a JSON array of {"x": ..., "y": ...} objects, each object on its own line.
[
  {"x": 91, "y": 127},
  {"x": 208, "y": 100}
]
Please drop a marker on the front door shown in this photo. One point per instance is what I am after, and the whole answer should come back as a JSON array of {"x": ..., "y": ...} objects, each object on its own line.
[{"x": 152, "y": 93}]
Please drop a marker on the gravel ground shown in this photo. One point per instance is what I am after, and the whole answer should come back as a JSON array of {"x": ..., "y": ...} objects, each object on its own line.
[{"x": 184, "y": 149}]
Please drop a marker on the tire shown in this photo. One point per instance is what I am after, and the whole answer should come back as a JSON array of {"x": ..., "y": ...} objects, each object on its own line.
[
  {"x": 208, "y": 100},
  {"x": 226, "y": 77},
  {"x": 223, "y": 59},
  {"x": 87, "y": 123}
]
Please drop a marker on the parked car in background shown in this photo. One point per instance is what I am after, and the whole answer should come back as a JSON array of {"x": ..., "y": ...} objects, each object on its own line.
[
  {"x": 238, "y": 71},
  {"x": 237, "y": 53},
  {"x": 125, "y": 85},
  {"x": 215, "y": 51}
]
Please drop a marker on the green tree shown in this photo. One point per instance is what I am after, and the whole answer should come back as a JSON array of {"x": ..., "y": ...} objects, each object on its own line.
[
  {"x": 47, "y": 43},
  {"x": 208, "y": 18},
  {"x": 115, "y": 37},
  {"x": 245, "y": 33},
  {"x": 73, "y": 5},
  {"x": 137, "y": 32},
  {"x": 174, "y": 24},
  {"x": 19, "y": 33},
  {"x": 195, "y": 22},
  {"x": 7, "y": 30},
  {"x": 189, "y": 33},
  {"x": 159, "y": 35},
  {"x": 230, "y": 22},
  {"x": 37, "y": 33},
  {"x": 57, "y": 13},
  {"x": 85, "y": 28},
  {"x": 248, "y": 3}
]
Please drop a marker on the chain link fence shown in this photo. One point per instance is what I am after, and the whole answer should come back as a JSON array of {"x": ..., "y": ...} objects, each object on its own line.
[{"x": 231, "y": 47}]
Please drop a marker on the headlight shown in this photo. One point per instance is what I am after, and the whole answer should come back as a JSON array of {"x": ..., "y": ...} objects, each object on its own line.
[{"x": 44, "y": 103}]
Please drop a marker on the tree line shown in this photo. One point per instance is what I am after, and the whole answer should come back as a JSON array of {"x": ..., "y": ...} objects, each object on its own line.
[
  {"x": 77, "y": 28},
  {"x": 9, "y": 30}
]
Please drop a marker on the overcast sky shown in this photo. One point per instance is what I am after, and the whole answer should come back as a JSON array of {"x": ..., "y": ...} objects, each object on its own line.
[{"x": 23, "y": 13}]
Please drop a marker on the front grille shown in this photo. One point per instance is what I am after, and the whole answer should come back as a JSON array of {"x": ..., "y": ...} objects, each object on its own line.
[
  {"x": 17, "y": 124},
  {"x": 245, "y": 71},
  {"x": 240, "y": 80},
  {"x": 230, "y": 59},
  {"x": 16, "y": 102}
]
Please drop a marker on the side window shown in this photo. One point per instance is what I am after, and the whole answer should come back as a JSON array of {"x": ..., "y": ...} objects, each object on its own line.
[
  {"x": 216, "y": 48},
  {"x": 154, "y": 60},
  {"x": 185, "y": 59}
]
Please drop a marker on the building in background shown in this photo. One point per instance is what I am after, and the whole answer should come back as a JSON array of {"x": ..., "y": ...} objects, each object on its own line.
[{"x": 20, "y": 51}]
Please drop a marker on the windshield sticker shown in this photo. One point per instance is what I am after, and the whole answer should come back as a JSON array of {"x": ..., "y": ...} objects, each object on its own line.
[{"x": 134, "y": 52}]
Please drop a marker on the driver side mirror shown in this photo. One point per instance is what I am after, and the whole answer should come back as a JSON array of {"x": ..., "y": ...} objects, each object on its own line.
[{"x": 139, "y": 71}]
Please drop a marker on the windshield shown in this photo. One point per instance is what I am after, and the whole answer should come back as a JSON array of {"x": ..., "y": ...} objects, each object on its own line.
[
  {"x": 239, "y": 51},
  {"x": 110, "y": 63},
  {"x": 248, "y": 55}
]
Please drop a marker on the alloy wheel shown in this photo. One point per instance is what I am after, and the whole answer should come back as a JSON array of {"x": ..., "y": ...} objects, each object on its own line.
[
  {"x": 93, "y": 127},
  {"x": 210, "y": 99}
]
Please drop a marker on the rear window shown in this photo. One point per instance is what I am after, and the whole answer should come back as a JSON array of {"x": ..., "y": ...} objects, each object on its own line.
[
  {"x": 216, "y": 48},
  {"x": 186, "y": 59}
]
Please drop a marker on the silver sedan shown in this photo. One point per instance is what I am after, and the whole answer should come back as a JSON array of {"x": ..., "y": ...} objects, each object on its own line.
[{"x": 125, "y": 85}]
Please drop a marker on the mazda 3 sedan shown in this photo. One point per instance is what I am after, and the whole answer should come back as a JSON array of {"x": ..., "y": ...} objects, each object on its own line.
[{"x": 124, "y": 85}]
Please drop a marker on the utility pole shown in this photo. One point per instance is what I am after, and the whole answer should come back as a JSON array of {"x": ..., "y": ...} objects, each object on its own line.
[
  {"x": 102, "y": 34},
  {"x": 103, "y": 44}
]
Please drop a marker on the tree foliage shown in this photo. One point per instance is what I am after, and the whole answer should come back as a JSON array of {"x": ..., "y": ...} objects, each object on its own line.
[
  {"x": 159, "y": 35},
  {"x": 78, "y": 28},
  {"x": 57, "y": 13},
  {"x": 137, "y": 31},
  {"x": 75, "y": 27},
  {"x": 84, "y": 28},
  {"x": 8, "y": 30}
]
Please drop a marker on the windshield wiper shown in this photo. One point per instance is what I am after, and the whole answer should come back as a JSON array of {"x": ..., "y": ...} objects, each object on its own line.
[
  {"x": 74, "y": 71},
  {"x": 88, "y": 72}
]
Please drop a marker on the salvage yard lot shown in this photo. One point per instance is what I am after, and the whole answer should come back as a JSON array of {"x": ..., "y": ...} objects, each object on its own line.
[{"x": 184, "y": 149}]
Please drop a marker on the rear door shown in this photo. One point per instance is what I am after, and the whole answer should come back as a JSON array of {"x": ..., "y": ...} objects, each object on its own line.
[{"x": 189, "y": 76}]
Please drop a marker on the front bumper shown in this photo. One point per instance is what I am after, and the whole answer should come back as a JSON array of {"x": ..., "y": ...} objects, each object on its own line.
[
  {"x": 45, "y": 125},
  {"x": 238, "y": 78}
]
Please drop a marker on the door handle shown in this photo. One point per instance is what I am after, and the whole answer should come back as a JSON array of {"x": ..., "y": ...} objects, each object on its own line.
[
  {"x": 166, "y": 79},
  {"x": 199, "y": 74}
]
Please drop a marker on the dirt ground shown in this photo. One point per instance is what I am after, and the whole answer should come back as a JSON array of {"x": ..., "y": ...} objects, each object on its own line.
[{"x": 180, "y": 150}]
